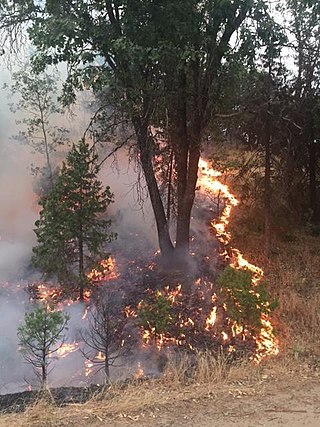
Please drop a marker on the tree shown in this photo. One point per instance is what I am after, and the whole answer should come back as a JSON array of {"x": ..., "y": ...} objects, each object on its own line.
[
  {"x": 304, "y": 26},
  {"x": 72, "y": 232},
  {"x": 162, "y": 63},
  {"x": 106, "y": 341},
  {"x": 36, "y": 101},
  {"x": 40, "y": 337}
]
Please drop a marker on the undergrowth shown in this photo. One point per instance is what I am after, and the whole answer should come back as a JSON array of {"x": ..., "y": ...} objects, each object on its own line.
[{"x": 293, "y": 276}]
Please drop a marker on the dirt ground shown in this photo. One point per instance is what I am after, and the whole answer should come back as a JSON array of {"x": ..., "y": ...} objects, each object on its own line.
[{"x": 292, "y": 404}]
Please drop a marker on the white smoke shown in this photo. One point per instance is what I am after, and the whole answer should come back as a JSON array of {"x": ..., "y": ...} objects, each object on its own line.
[{"x": 18, "y": 211}]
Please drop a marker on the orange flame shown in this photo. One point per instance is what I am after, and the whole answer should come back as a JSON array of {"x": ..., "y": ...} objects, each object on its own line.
[
  {"x": 266, "y": 342},
  {"x": 107, "y": 271},
  {"x": 211, "y": 320},
  {"x": 139, "y": 373},
  {"x": 67, "y": 348}
]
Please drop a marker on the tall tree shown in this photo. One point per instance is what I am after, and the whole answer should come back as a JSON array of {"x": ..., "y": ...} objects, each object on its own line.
[
  {"x": 72, "y": 232},
  {"x": 157, "y": 58},
  {"x": 304, "y": 25},
  {"x": 36, "y": 100}
]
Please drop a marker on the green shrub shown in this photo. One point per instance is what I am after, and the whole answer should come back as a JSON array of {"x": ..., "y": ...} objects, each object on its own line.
[
  {"x": 155, "y": 313},
  {"x": 245, "y": 302}
]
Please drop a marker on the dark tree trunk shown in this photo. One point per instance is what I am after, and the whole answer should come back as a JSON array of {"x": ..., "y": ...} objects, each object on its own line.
[
  {"x": 181, "y": 145},
  {"x": 145, "y": 151},
  {"x": 267, "y": 186},
  {"x": 81, "y": 268},
  {"x": 107, "y": 367},
  {"x": 186, "y": 203},
  {"x": 169, "y": 196},
  {"x": 313, "y": 157},
  {"x": 43, "y": 370},
  {"x": 190, "y": 125}
]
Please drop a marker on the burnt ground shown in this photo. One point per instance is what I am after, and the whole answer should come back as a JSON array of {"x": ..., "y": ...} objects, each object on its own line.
[{"x": 18, "y": 402}]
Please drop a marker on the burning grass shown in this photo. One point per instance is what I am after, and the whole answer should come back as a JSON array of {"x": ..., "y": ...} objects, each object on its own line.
[{"x": 292, "y": 274}]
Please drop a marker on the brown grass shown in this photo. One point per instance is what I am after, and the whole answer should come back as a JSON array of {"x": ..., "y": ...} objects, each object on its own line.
[
  {"x": 293, "y": 277},
  {"x": 186, "y": 380}
]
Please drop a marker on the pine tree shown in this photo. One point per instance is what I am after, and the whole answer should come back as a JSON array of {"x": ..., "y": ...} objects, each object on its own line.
[
  {"x": 41, "y": 335},
  {"x": 72, "y": 231}
]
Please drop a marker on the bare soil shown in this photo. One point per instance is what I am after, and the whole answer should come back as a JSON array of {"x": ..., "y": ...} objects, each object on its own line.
[{"x": 278, "y": 403}]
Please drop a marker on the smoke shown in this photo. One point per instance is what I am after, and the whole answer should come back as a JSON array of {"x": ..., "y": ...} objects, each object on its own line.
[
  {"x": 18, "y": 212},
  {"x": 18, "y": 208}
]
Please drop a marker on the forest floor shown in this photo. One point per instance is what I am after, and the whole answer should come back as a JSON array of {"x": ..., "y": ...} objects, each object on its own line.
[{"x": 282, "y": 391}]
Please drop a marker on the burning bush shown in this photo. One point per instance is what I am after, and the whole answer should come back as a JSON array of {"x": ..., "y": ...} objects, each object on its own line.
[
  {"x": 156, "y": 314},
  {"x": 245, "y": 304}
]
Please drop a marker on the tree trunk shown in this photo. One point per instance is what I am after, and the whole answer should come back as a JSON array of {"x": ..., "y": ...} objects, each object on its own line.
[
  {"x": 81, "y": 267},
  {"x": 182, "y": 146},
  {"x": 186, "y": 203},
  {"x": 267, "y": 187},
  {"x": 107, "y": 367},
  {"x": 169, "y": 195},
  {"x": 43, "y": 370},
  {"x": 188, "y": 138},
  {"x": 313, "y": 197},
  {"x": 145, "y": 150}
]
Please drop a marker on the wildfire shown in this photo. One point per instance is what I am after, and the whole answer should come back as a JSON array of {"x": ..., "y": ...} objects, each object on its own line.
[
  {"x": 107, "y": 271},
  {"x": 139, "y": 373},
  {"x": 266, "y": 343},
  {"x": 67, "y": 348},
  {"x": 88, "y": 368},
  {"x": 206, "y": 317},
  {"x": 211, "y": 320}
]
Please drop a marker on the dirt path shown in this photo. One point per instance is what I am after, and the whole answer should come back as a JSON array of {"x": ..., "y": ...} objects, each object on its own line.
[{"x": 278, "y": 404}]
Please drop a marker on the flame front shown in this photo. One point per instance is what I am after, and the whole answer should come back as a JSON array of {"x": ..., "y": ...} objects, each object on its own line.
[{"x": 266, "y": 342}]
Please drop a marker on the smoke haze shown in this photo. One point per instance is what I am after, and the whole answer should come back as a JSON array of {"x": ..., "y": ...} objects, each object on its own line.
[{"x": 18, "y": 212}]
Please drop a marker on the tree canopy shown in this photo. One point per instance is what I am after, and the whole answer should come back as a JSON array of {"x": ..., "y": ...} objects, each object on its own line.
[
  {"x": 170, "y": 68},
  {"x": 163, "y": 64},
  {"x": 72, "y": 232}
]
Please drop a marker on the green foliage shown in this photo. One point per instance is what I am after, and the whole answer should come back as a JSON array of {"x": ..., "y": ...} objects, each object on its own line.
[
  {"x": 36, "y": 99},
  {"x": 245, "y": 302},
  {"x": 72, "y": 231},
  {"x": 161, "y": 63},
  {"x": 155, "y": 313},
  {"x": 40, "y": 336}
]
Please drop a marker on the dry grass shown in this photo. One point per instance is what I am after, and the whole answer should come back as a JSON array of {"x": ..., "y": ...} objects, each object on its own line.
[
  {"x": 201, "y": 368},
  {"x": 293, "y": 277},
  {"x": 186, "y": 379}
]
